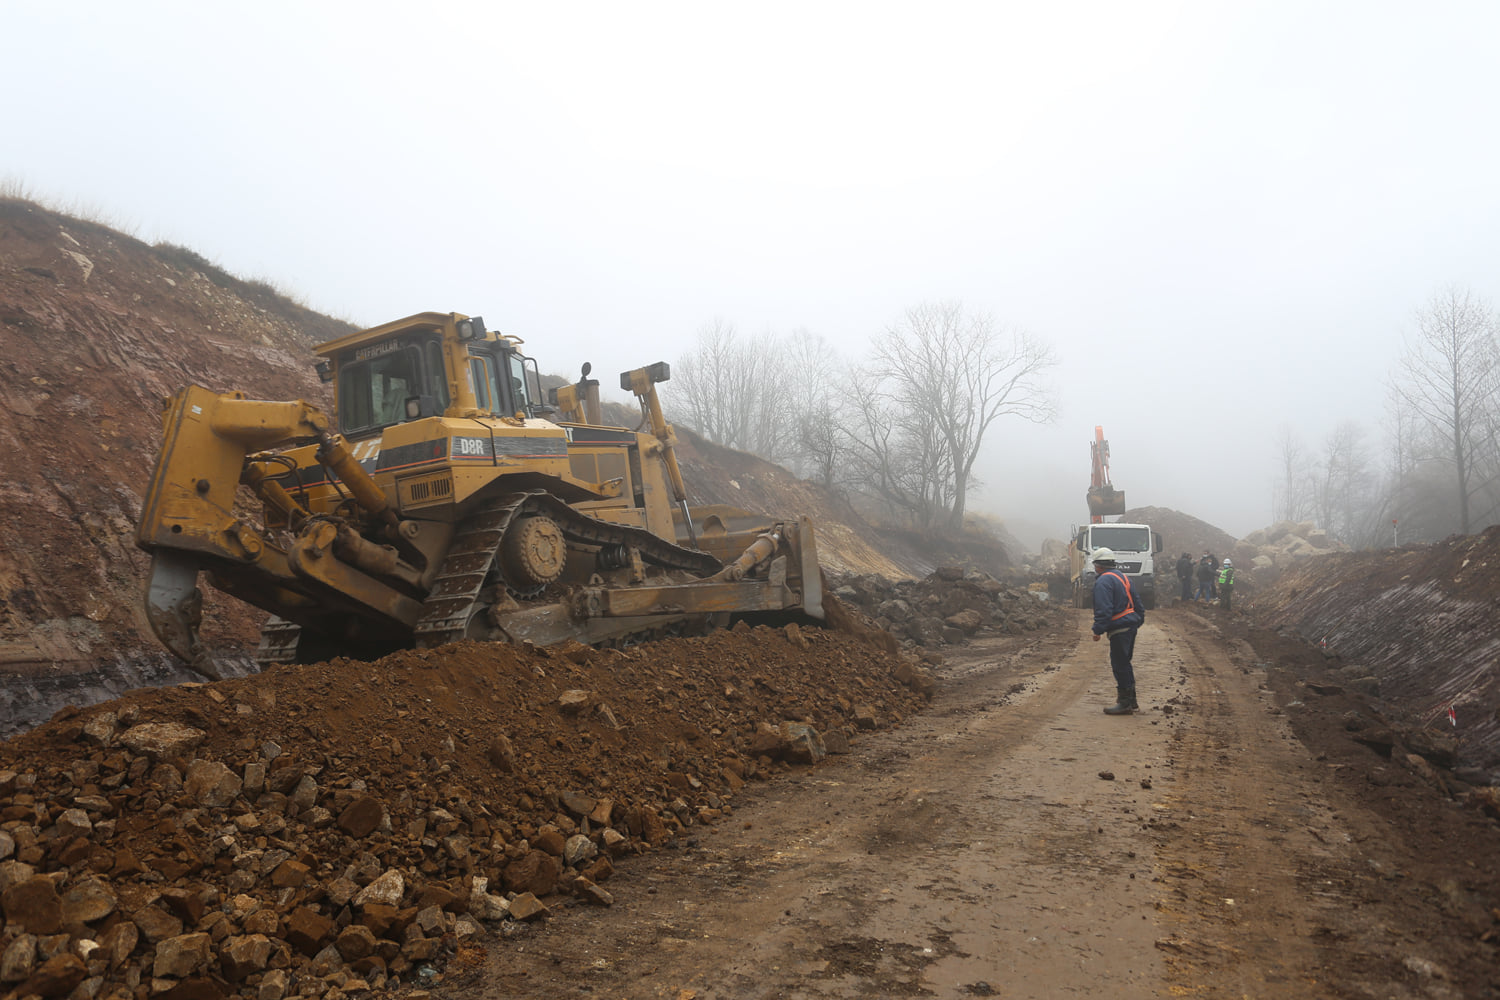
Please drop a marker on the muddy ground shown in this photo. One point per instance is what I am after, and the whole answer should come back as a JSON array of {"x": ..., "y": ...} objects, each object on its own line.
[
  {"x": 1234, "y": 839},
  {"x": 647, "y": 823}
]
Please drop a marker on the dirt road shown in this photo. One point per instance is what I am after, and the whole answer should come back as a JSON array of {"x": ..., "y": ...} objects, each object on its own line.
[{"x": 1013, "y": 841}]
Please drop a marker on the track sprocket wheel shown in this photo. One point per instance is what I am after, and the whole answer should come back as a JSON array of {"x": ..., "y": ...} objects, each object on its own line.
[{"x": 532, "y": 554}]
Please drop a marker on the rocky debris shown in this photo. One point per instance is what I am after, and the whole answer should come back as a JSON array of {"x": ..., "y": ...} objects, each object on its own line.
[
  {"x": 1282, "y": 544},
  {"x": 1427, "y": 750},
  {"x": 190, "y": 841},
  {"x": 950, "y": 606}
]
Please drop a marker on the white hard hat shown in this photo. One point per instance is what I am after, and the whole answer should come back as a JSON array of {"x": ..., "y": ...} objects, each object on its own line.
[
  {"x": 1228, "y": 563},
  {"x": 1104, "y": 555}
]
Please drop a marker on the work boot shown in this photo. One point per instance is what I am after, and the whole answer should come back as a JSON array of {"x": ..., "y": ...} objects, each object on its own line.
[{"x": 1125, "y": 703}]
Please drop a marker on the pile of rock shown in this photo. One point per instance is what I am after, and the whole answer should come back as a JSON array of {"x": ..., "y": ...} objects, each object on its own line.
[
  {"x": 142, "y": 870},
  {"x": 1275, "y": 548},
  {"x": 950, "y": 606},
  {"x": 323, "y": 829}
]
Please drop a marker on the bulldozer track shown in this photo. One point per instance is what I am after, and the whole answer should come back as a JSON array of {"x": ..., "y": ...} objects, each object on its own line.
[
  {"x": 455, "y": 595},
  {"x": 278, "y": 642}
]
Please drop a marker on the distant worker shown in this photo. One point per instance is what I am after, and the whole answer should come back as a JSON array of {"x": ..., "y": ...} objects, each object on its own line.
[
  {"x": 1185, "y": 576},
  {"x": 1213, "y": 579},
  {"x": 1117, "y": 615},
  {"x": 1226, "y": 584},
  {"x": 1205, "y": 579}
]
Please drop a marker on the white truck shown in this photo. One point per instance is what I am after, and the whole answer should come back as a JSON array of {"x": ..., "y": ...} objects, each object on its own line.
[{"x": 1135, "y": 547}]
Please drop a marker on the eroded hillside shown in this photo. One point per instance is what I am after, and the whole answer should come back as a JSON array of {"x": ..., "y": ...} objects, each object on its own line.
[
  {"x": 1415, "y": 626},
  {"x": 96, "y": 329}
]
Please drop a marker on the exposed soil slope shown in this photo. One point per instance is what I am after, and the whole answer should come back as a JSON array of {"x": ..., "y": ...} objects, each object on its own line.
[
  {"x": 96, "y": 328},
  {"x": 1418, "y": 621}
]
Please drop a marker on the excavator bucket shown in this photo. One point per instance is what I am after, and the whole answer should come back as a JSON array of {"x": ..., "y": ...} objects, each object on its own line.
[{"x": 1106, "y": 500}]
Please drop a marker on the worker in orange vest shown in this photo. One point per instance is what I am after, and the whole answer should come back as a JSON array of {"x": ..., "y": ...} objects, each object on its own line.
[{"x": 1118, "y": 615}]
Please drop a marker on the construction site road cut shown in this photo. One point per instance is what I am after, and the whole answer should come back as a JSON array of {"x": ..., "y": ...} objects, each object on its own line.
[{"x": 1013, "y": 841}]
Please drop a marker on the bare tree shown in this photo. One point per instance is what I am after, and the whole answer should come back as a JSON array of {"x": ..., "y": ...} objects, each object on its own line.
[
  {"x": 893, "y": 460},
  {"x": 705, "y": 395},
  {"x": 813, "y": 379},
  {"x": 1448, "y": 378},
  {"x": 1295, "y": 491},
  {"x": 950, "y": 374},
  {"x": 1346, "y": 494},
  {"x": 735, "y": 392}
]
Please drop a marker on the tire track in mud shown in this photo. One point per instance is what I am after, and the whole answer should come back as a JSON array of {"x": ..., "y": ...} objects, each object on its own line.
[
  {"x": 1255, "y": 865},
  {"x": 975, "y": 849}
]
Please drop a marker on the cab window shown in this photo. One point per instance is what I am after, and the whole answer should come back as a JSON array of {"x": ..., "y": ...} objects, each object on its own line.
[
  {"x": 486, "y": 386},
  {"x": 518, "y": 382},
  {"x": 373, "y": 392}
]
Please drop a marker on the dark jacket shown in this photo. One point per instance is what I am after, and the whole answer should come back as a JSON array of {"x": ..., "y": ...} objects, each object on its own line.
[
  {"x": 1185, "y": 568},
  {"x": 1115, "y": 604},
  {"x": 1205, "y": 570}
]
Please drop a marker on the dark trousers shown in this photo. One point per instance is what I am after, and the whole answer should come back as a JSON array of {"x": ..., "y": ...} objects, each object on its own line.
[
  {"x": 1187, "y": 588},
  {"x": 1225, "y": 593},
  {"x": 1121, "y": 650}
]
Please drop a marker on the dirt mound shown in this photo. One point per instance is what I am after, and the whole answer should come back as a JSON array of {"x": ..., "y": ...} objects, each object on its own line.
[
  {"x": 949, "y": 606},
  {"x": 347, "y": 823},
  {"x": 1414, "y": 626},
  {"x": 1182, "y": 532}
]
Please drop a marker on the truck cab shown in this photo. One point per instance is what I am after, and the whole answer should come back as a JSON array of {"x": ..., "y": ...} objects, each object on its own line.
[{"x": 1135, "y": 547}]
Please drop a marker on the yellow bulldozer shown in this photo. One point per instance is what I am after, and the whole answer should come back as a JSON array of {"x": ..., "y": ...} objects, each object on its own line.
[{"x": 451, "y": 499}]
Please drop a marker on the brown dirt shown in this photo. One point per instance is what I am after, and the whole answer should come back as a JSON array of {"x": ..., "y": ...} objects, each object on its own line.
[{"x": 1238, "y": 848}]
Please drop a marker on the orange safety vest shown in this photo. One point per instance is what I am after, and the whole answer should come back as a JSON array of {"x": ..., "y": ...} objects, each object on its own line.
[{"x": 1129, "y": 597}]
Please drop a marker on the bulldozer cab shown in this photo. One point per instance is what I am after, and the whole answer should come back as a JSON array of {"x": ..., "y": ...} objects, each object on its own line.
[
  {"x": 430, "y": 365},
  {"x": 390, "y": 382}
]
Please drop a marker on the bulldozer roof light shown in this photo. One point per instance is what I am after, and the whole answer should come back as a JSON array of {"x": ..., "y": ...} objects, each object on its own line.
[
  {"x": 659, "y": 372},
  {"x": 471, "y": 329}
]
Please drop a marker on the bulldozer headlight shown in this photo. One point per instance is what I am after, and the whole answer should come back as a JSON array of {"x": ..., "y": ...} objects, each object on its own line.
[
  {"x": 324, "y": 370},
  {"x": 471, "y": 329}
]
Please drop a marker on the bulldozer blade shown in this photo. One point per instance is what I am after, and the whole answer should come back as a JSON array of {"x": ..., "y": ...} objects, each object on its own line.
[
  {"x": 174, "y": 606},
  {"x": 812, "y": 573}
]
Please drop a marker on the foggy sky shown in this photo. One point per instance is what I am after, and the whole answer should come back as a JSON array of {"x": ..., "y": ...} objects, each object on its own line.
[{"x": 1222, "y": 217}]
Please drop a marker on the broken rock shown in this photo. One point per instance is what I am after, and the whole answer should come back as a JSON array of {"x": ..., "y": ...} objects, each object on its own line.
[
  {"x": 88, "y": 901},
  {"x": 387, "y": 890},
  {"x": 33, "y": 905},
  {"x": 181, "y": 956},
  {"x": 211, "y": 785},
  {"x": 162, "y": 739},
  {"x": 361, "y": 817},
  {"x": 57, "y": 977},
  {"x": 18, "y": 961},
  {"x": 245, "y": 955},
  {"x": 527, "y": 907}
]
